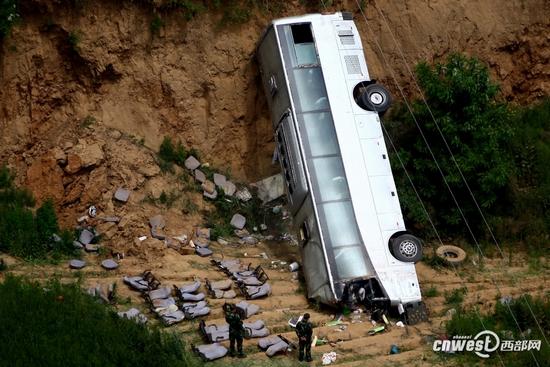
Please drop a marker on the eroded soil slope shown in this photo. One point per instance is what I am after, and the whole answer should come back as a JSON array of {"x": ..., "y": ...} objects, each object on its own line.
[{"x": 65, "y": 67}]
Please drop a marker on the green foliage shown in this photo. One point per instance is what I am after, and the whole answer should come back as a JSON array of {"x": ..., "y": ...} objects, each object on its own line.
[
  {"x": 24, "y": 233},
  {"x": 87, "y": 122},
  {"x": 3, "y": 265},
  {"x": 171, "y": 153},
  {"x": 64, "y": 324},
  {"x": 455, "y": 297},
  {"x": 431, "y": 292},
  {"x": 156, "y": 24},
  {"x": 481, "y": 132},
  {"x": 8, "y": 16},
  {"x": 434, "y": 261},
  {"x": 74, "y": 38},
  {"x": 501, "y": 321}
]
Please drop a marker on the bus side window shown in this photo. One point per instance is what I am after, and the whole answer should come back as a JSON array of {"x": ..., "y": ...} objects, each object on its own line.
[
  {"x": 304, "y": 233},
  {"x": 304, "y": 46}
]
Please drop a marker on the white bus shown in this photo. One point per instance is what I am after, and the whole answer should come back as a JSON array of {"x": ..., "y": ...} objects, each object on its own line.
[{"x": 325, "y": 112}]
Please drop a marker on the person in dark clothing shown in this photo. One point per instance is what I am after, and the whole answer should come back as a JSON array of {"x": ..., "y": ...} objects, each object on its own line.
[
  {"x": 304, "y": 330},
  {"x": 236, "y": 330}
]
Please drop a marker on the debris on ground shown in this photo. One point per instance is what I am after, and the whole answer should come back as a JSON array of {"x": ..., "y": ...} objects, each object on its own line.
[
  {"x": 294, "y": 266},
  {"x": 219, "y": 180},
  {"x": 86, "y": 237},
  {"x": 399, "y": 324},
  {"x": 104, "y": 292},
  {"x": 77, "y": 264},
  {"x": 133, "y": 314},
  {"x": 274, "y": 345},
  {"x": 270, "y": 188},
  {"x": 199, "y": 176},
  {"x": 203, "y": 251},
  {"x": 328, "y": 358},
  {"x": 394, "y": 349},
  {"x": 229, "y": 188},
  {"x": 122, "y": 194},
  {"x": 192, "y": 163},
  {"x": 109, "y": 264},
  {"x": 243, "y": 195},
  {"x": 238, "y": 221},
  {"x": 453, "y": 255},
  {"x": 377, "y": 330},
  {"x": 92, "y": 211},
  {"x": 90, "y": 247}
]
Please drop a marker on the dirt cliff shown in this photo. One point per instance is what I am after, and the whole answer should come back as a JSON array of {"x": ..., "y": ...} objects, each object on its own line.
[{"x": 88, "y": 91}]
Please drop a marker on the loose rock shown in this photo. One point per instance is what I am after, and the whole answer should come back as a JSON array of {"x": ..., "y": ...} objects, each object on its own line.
[
  {"x": 78, "y": 245},
  {"x": 238, "y": 221},
  {"x": 157, "y": 221},
  {"x": 122, "y": 194}
]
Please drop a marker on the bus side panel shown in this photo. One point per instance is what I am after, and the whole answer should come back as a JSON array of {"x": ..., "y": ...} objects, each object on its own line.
[{"x": 273, "y": 77}]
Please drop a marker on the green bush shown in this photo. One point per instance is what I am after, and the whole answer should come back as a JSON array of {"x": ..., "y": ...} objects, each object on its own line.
[
  {"x": 455, "y": 297},
  {"x": 8, "y": 16},
  {"x": 57, "y": 324},
  {"x": 500, "y": 320},
  {"x": 24, "y": 233},
  {"x": 173, "y": 153},
  {"x": 499, "y": 148}
]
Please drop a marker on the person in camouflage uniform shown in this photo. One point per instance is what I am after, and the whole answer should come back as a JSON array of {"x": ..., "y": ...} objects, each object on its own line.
[
  {"x": 304, "y": 330},
  {"x": 236, "y": 330}
]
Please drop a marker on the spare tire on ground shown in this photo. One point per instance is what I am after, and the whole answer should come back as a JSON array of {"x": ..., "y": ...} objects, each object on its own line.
[{"x": 451, "y": 254}]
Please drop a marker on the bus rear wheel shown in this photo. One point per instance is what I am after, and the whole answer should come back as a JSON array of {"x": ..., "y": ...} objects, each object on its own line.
[
  {"x": 406, "y": 248},
  {"x": 375, "y": 98}
]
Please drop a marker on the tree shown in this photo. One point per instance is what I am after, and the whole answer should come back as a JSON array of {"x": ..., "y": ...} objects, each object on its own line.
[{"x": 477, "y": 129}]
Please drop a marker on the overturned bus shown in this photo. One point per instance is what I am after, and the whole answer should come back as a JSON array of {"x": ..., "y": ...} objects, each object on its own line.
[{"x": 325, "y": 112}]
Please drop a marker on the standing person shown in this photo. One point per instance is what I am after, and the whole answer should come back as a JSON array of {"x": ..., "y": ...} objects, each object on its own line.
[
  {"x": 236, "y": 330},
  {"x": 304, "y": 330}
]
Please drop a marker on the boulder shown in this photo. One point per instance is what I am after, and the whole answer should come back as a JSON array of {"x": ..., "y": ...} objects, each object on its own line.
[
  {"x": 122, "y": 194},
  {"x": 219, "y": 180},
  {"x": 238, "y": 221},
  {"x": 200, "y": 176},
  {"x": 45, "y": 179},
  {"x": 192, "y": 163}
]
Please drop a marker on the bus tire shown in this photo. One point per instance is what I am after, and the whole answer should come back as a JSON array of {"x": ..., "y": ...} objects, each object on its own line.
[
  {"x": 376, "y": 98},
  {"x": 406, "y": 248},
  {"x": 451, "y": 254}
]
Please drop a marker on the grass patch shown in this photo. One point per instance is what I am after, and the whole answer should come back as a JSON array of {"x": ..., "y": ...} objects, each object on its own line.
[
  {"x": 501, "y": 321},
  {"x": 455, "y": 297},
  {"x": 3, "y": 265},
  {"x": 27, "y": 233},
  {"x": 87, "y": 122},
  {"x": 431, "y": 292},
  {"x": 43, "y": 325}
]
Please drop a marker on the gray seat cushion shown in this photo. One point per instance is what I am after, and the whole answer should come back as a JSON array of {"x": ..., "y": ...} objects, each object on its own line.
[
  {"x": 163, "y": 292},
  {"x": 211, "y": 352},
  {"x": 279, "y": 347},
  {"x": 258, "y": 291},
  {"x": 203, "y": 251},
  {"x": 138, "y": 283},
  {"x": 191, "y": 287},
  {"x": 268, "y": 341},
  {"x": 221, "y": 285},
  {"x": 248, "y": 309},
  {"x": 163, "y": 302},
  {"x": 192, "y": 297},
  {"x": 173, "y": 317}
]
